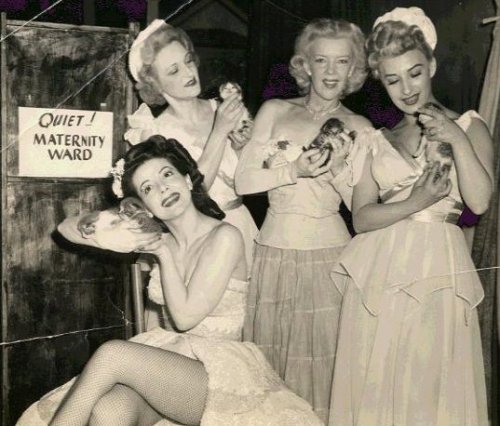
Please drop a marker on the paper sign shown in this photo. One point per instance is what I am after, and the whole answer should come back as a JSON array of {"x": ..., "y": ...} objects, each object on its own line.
[{"x": 65, "y": 142}]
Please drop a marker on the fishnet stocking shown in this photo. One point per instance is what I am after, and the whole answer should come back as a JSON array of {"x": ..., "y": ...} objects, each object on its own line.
[
  {"x": 123, "y": 406},
  {"x": 174, "y": 385}
]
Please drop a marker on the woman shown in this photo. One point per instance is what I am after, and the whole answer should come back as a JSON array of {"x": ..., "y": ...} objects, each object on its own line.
[
  {"x": 203, "y": 374},
  {"x": 409, "y": 350},
  {"x": 293, "y": 307}
]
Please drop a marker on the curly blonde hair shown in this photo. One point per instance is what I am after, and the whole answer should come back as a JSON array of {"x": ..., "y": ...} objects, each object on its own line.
[
  {"x": 149, "y": 49},
  {"x": 393, "y": 38},
  {"x": 334, "y": 29}
]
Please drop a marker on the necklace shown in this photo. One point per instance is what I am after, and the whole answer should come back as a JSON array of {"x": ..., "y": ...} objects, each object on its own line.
[{"x": 317, "y": 115}]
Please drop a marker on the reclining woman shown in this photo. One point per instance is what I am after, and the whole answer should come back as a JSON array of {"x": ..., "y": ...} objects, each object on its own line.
[{"x": 203, "y": 373}]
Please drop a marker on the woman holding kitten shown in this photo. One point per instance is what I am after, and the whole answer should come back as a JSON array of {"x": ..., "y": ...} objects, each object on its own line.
[
  {"x": 409, "y": 349},
  {"x": 293, "y": 306},
  {"x": 203, "y": 373}
]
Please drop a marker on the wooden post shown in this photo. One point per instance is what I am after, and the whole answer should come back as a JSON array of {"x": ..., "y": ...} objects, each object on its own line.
[
  {"x": 89, "y": 12},
  {"x": 153, "y": 10},
  {"x": 137, "y": 298},
  {"x": 3, "y": 144}
]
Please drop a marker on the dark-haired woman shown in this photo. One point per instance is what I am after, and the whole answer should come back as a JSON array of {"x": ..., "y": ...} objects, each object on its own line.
[{"x": 202, "y": 374}]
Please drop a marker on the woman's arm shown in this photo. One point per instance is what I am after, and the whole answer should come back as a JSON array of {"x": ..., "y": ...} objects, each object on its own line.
[
  {"x": 369, "y": 214},
  {"x": 227, "y": 116},
  {"x": 252, "y": 178},
  {"x": 189, "y": 304},
  {"x": 473, "y": 156}
]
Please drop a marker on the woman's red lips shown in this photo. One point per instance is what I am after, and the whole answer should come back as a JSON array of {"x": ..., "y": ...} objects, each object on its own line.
[
  {"x": 191, "y": 82},
  {"x": 170, "y": 200}
]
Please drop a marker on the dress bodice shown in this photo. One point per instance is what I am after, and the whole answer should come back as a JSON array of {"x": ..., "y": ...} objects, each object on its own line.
[
  {"x": 225, "y": 321},
  {"x": 143, "y": 122},
  {"x": 312, "y": 197},
  {"x": 396, "y": 175}
]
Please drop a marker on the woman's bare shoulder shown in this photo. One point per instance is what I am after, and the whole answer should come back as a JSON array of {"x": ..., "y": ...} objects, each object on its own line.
[{"x": 281, "y": 106}]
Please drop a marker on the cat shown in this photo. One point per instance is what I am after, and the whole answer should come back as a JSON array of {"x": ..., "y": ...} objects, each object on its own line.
[
  {"x": 330, "y": 129},
  {"x": 435, "y": 151},
  {"x": 130, "y": 209},
  {"x": 225, "y": 90}
]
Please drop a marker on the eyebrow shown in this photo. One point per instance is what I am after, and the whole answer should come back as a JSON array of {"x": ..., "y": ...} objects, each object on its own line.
[
  {"x": 163, "y": 168},
  {"x": 142, "y": 184},
  {"x": 411, "y": 69}
]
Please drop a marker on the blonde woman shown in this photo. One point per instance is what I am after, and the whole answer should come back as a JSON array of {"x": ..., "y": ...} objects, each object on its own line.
[{"x": 293, "y": 306}]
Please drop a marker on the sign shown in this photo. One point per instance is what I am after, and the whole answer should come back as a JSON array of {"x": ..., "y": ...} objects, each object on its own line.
[{"x": 65, "y": 142}]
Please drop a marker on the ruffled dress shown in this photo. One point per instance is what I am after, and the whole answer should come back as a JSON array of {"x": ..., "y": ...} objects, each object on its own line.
[
  {"x": 409, "y": 349},
  {"x": 243, "y": 388},
  {"x": 293, "y": 308}
]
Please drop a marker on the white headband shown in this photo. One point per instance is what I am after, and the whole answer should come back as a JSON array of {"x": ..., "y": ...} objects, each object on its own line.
[
  {"x": 134, "y": 54},
  {"x": 412, "y": 16}
]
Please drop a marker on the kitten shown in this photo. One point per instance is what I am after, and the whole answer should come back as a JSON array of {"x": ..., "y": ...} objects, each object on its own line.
[
  {"x": 225, "y": 90},
  {"x": 435, "y": 151},
  {"x": 329, "y": 130},
  {"x": 131, "y": 209}
]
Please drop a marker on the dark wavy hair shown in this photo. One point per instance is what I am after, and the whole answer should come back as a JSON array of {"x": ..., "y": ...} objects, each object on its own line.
[
  {"x": 394, "y": 38},
  {"x": 159, "y": 147},
  {"x": 155, "y": 42}
]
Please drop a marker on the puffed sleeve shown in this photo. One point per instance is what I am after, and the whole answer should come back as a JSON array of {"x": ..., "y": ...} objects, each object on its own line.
[
  {"x": 141, "y": 123},
  {"x": 344, "y": 182}
]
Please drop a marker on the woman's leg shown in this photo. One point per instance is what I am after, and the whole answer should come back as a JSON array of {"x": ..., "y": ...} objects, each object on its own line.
[
  {"x": 174, "y": 385},
  {"x": 123, "y": 406}
]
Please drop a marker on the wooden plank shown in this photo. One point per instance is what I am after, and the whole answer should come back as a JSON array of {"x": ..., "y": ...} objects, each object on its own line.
[
  {"x": 3, "y": 306},
  {"x": 68, "y": 27},
  {"x": 51, "y": 287},
  {"x": 131, "y": 106}
]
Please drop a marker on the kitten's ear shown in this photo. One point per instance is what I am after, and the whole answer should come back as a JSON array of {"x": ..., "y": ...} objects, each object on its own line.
[
  {"x": 86, "y": 225},
  {"x": 130, "y": 206}
]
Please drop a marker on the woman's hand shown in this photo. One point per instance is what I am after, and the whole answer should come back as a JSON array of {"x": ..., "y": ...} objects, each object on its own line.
[
  {"x": 124, "y": 238},
  {"x": 431, "y": 187},
  {"x": 310, "y": 163},
  {"x": 156, "y": 247},
  {"x": 342, "y": 146},
  {"x": 228, "y": 114},
  {"x": 239, "y": 138},
  {"x": 439, "y": 127}
]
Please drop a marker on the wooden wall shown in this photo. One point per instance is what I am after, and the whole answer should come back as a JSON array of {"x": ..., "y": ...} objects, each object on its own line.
[{"x": 49, "y": 287}]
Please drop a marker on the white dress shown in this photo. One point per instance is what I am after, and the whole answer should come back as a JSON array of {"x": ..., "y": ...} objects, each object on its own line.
[
  {"x": 409, "y": 348},
  {"x": 243, "y": 388}
]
